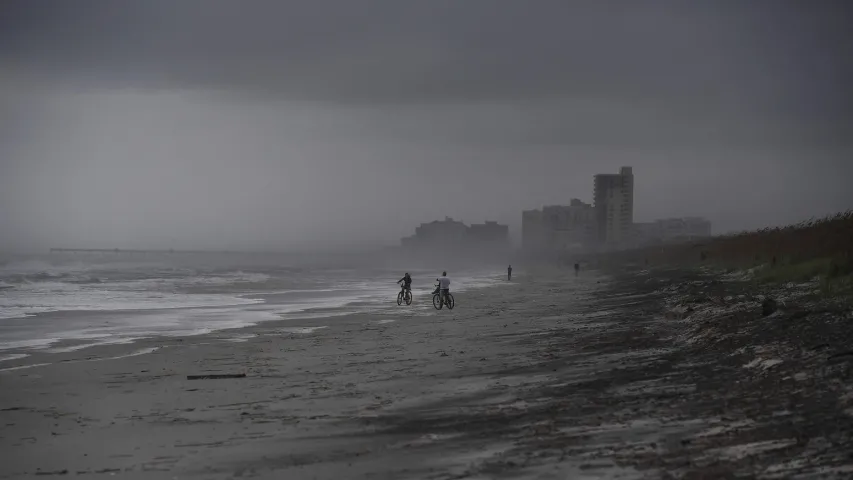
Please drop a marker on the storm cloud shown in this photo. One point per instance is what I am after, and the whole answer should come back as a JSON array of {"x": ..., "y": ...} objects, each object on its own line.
[{"x": 267, "y": 124}]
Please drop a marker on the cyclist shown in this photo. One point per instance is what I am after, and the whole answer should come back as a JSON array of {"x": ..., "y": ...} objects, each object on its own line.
[
  {"x": 406, "y": 281},
  {"x": 443, "y": 285}
]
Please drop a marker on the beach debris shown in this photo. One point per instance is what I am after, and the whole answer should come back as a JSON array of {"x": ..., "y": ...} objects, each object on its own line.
[
  {"x": 216, "y": 376},
  {"x": 58, "y": 472},
  {"x": 768, "y": 307},
  {"x": 840, "y": 357}
]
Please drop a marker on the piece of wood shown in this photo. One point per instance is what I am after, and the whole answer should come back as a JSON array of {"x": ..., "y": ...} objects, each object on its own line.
[{"x": 215, "y": 376}]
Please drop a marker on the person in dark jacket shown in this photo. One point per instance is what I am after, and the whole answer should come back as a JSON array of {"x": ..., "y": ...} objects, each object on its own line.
[{"x": 406, "y": 281}]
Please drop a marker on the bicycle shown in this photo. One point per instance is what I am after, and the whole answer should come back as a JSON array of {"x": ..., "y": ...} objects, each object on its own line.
[
  {"x": 437, "y": 301},
  {"x": 405, "y": 295}
]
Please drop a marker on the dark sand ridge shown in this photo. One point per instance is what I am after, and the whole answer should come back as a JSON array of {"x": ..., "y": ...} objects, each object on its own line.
[{"x": 553, "y": 377}]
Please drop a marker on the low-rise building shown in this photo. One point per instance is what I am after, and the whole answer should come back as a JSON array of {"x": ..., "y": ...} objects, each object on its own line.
[
  {"x": 450, "y": 233},
  {"x": 559, "y": 227},
  {"x": 489, "y": 233}
]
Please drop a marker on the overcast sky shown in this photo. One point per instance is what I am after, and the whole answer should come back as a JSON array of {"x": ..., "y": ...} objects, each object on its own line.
[{"x": 285, "y": 124}]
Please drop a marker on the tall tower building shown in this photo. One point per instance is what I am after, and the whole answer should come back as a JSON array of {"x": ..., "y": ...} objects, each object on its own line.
[{"x": 613, "y": 201}]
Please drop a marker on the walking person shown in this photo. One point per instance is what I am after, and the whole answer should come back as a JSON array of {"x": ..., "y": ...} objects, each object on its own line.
[
  {"x": 577, "y": 268},
  {"x": 509, "y": 273}
]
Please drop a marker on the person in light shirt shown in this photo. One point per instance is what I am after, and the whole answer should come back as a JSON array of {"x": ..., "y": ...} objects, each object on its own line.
[{"x": 443, "y": 285}]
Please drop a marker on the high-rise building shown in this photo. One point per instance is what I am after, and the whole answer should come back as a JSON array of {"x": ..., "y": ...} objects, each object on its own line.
[
  {"x": 572, "y": 227},
  {"x": 613, "y": 201}
]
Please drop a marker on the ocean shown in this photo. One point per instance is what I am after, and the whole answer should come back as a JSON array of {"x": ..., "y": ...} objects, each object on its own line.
[{"x": 64, "y": 302}]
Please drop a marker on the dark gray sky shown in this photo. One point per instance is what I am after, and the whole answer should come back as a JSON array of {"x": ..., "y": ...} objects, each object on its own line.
[{"x": 286, "y": 124}]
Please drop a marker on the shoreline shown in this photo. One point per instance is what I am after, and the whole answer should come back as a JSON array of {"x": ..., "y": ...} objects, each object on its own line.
[
  {"x": 666, "y": 374},
  {"x": 66, "y": 350},
  {"x": 95, "y": 328},
  {"x": 257, "y": 304}
]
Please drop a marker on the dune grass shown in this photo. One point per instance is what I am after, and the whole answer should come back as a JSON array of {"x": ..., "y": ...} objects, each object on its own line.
[
  {"x": 835, "y": 275},
  {"x": 795, "y": 272},
  {"x": 816, "y": 249}
]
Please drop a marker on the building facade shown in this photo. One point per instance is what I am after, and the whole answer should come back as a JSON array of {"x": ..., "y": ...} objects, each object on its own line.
[
  {"x": 450, "y": 233},
  {"x": 559, "y": 227},
  {"x": 613, "y": 201},
  {"x": 489, "y": 233}
]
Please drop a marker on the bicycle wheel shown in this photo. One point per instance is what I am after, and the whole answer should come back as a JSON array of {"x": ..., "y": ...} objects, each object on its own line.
[
  {"x": 451, "y": 302},
  {"x": 408, "y": 297},
  {"x": 400, "y": 298},
  {"x": 436, "y": 301}
]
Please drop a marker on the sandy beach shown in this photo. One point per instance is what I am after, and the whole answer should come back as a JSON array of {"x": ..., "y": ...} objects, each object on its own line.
[{"x": 549, "y": 377}]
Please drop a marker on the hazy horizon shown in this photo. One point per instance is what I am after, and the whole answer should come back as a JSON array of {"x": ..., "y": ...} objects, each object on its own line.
[{"x": 292, "y": 126}]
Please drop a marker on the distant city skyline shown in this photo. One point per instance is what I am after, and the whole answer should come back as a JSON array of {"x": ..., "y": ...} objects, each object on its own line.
[
  {"x": 606, "y": 224},
  {"x": 450, "y": 233}
]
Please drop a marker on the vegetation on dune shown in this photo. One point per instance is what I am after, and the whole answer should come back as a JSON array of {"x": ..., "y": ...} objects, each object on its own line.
[
  {"x": 834, "y": 274},
  {"x": 818, "y": 248}
]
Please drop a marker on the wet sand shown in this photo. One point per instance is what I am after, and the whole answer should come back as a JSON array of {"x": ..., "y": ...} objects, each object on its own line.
[{"x": 549, "y": 377}]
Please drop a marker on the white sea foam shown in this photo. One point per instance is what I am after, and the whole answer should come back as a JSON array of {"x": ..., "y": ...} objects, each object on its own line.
[
  {"x": 13, "y": 356},
  {"x": 241, "y": 338},
  {"x": 314, "y": 315},
  {"x": 102, "y": 341},
  {"x": 30, "y": 343},
  {"x": 43, "y": 297},
  {"x": 303, "y": 330},
  {"x": 127, "y": 327},
  {"x": 144, "y": 351},
  {"x": 136, "y": 298},
  {"x": 23, "y": 367}
]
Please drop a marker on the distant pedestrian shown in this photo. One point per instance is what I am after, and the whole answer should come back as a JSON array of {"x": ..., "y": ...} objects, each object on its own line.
[
  {"x": 577, "y": 268},
  {"x": 509, "y": 273}
]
